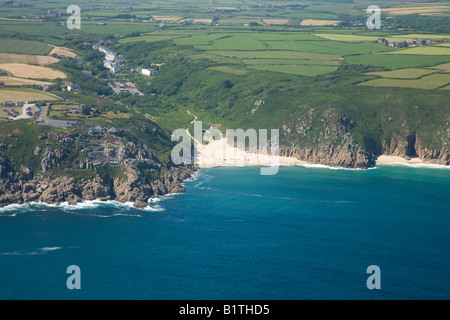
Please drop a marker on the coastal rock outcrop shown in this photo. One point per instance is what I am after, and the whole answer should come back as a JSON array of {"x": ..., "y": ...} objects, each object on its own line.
[
  {"x": 325, "y": 138},
  {"x": 142, "y": 177},
  {"x": 410, "y": 145},
  {"x": 133, "y": 189}
]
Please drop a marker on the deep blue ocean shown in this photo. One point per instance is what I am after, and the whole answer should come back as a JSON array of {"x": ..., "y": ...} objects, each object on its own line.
[{"x": 306, "y": 233}]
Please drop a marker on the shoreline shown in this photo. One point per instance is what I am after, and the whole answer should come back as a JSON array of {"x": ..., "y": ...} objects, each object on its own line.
[
  {"x": 89, "y": 204},
  {"x": 386, "y": 160},
  {"x": 217, "y": 154},
  {"x": 383, "y": 160}
]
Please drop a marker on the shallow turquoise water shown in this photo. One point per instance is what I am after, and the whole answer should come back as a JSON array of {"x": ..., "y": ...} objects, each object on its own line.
[{"x": 306, "y": 233}]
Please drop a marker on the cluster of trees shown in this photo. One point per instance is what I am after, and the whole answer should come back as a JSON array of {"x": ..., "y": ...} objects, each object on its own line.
[
  {"x": 89, "y": 84},
  {"x": 417, "y": 22}
]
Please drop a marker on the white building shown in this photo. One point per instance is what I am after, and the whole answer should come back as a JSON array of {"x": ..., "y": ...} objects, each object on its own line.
[{"x": 149, "y": 72}]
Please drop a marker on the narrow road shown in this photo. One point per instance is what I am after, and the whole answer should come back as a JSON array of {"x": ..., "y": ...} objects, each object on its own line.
[{"x": 192, "y": 122}]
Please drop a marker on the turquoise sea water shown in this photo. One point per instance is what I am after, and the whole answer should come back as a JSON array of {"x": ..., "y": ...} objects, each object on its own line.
[{"x": 306, "y": 233}]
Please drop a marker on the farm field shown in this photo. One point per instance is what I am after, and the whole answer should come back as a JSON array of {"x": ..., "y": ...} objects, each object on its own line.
[
  {"x": 390, "y": 37},
  {"x": 61, "y": 51},
  {"x": 287, "y": 42},
  {"x": 24, "y": 47},
  {"x": 436, "y": 9},
  {"x": 22, "y": 70},
  {"x": 230, "y": 70},
  {"x": 443, "y": 67},
  {"x": 318, "y": 23},
  {"x": 276, "y": 55},
  {"x": 404, "y": 73},
  {"x": 24, "y": 95},
  {"x": 235, "y": 42},
  {"x": 430, "y": 82},
  {"x": 149, "y": 38},
  {"x": 117, "y": 28},
  {"x": 346, "y": 37},
  {"x": 328, "y": 47},
  {"x": 12, "y": 81},
  {"x": 303, "y": 70},
  {"x": 428, "y": 50},
  {"x": 26, "y": 58},
  {"x": 290, "y": 62},
  {"x": 398, "y": 61},
  {"x": 412, "y": 36},
  {"x": 275, "y": 22}
]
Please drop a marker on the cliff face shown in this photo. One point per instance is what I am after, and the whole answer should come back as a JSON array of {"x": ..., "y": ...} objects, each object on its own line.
[
  {"x": 141, "y": 177},
  {"x": 325, "y": 138},
  {"x": 410, "y": 145},
  {"x": 328, "y": 137},
  {"x": 135, "y": 189}
]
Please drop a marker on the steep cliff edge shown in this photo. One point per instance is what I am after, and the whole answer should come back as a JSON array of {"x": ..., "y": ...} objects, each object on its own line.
[
  {"x": 325, "y": 137},
  {"x": 410, "y": 145},
  {"x": 54, "y": 166}
]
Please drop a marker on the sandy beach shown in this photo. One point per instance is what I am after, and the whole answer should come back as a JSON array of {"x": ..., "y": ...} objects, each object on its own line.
[
  {"x": 217, "y": 153},
  {"x": 399, "y": 160}
]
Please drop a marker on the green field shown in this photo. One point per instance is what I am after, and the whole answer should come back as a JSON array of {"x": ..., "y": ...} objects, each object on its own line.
[
  {"x": 24, "y": 46},
  {"x": 276, "y": 55},
  {"x": 428, "y": 50},
  {"x": 398, "y": 61},
  {"x": 117, "y": 28},
  {"x": 404, "y": 73},
  {"x": 443, "y": 67},
  {"x": 148, "y": 38},
  {"x": 290, "y": 62},
  {"x": 397, "y": 37},
  {"x": 434, "y": 81},
  {"x": 347, "y": 37},
  {"x": 24, "y": 94},
  {"x": 303, "y": 70}
]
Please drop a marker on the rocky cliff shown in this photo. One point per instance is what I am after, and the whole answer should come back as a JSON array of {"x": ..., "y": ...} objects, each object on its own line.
[
  {"x": 134, "y": 189},
  {"x": 328, "y": 137},
  {"x": 325, "y": 137},
  {"x": 410, "y": 145},
  {"x": 137, "y": 176}
]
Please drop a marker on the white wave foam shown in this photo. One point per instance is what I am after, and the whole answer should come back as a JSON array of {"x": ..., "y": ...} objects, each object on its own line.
[
  {"x": 163, "y": 198},
  {"x": 417, "y": 165},
  {"x": 47, "y": 249},
  {"x": 39, "y": 251},
  {"x": 81, "y": 206},
  {"x": 321, "y": 166}
]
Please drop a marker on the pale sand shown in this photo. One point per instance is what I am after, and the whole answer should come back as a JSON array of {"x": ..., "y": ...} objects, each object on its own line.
[
  {"x": 218, "y": 154},
  {"x": 393, "y": 160}
]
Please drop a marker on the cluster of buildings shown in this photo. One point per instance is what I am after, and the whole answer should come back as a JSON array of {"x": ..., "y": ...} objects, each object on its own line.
[
  {"x": 81, "y": 109},
  {"x": 72, "y": 87},
  {"x": 405, "y": 43},
  {"x": 13, "y": 104},
  {"x": 119, "y": 87},
  {"x": 102, "y": 145},
  {"x": 112, "y": 61}
]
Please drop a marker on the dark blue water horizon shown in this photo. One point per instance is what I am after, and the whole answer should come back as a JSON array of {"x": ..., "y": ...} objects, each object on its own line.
[{"x": 305, "y": 233}]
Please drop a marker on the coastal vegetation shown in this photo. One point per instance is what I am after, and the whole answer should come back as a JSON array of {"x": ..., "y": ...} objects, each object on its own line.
[{"x": 332, "y": 87}]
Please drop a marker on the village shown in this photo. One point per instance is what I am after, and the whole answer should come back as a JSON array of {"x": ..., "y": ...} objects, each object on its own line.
[
  {"x": 405, "y": 43},
  {"x": 100, "y": 145}
]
